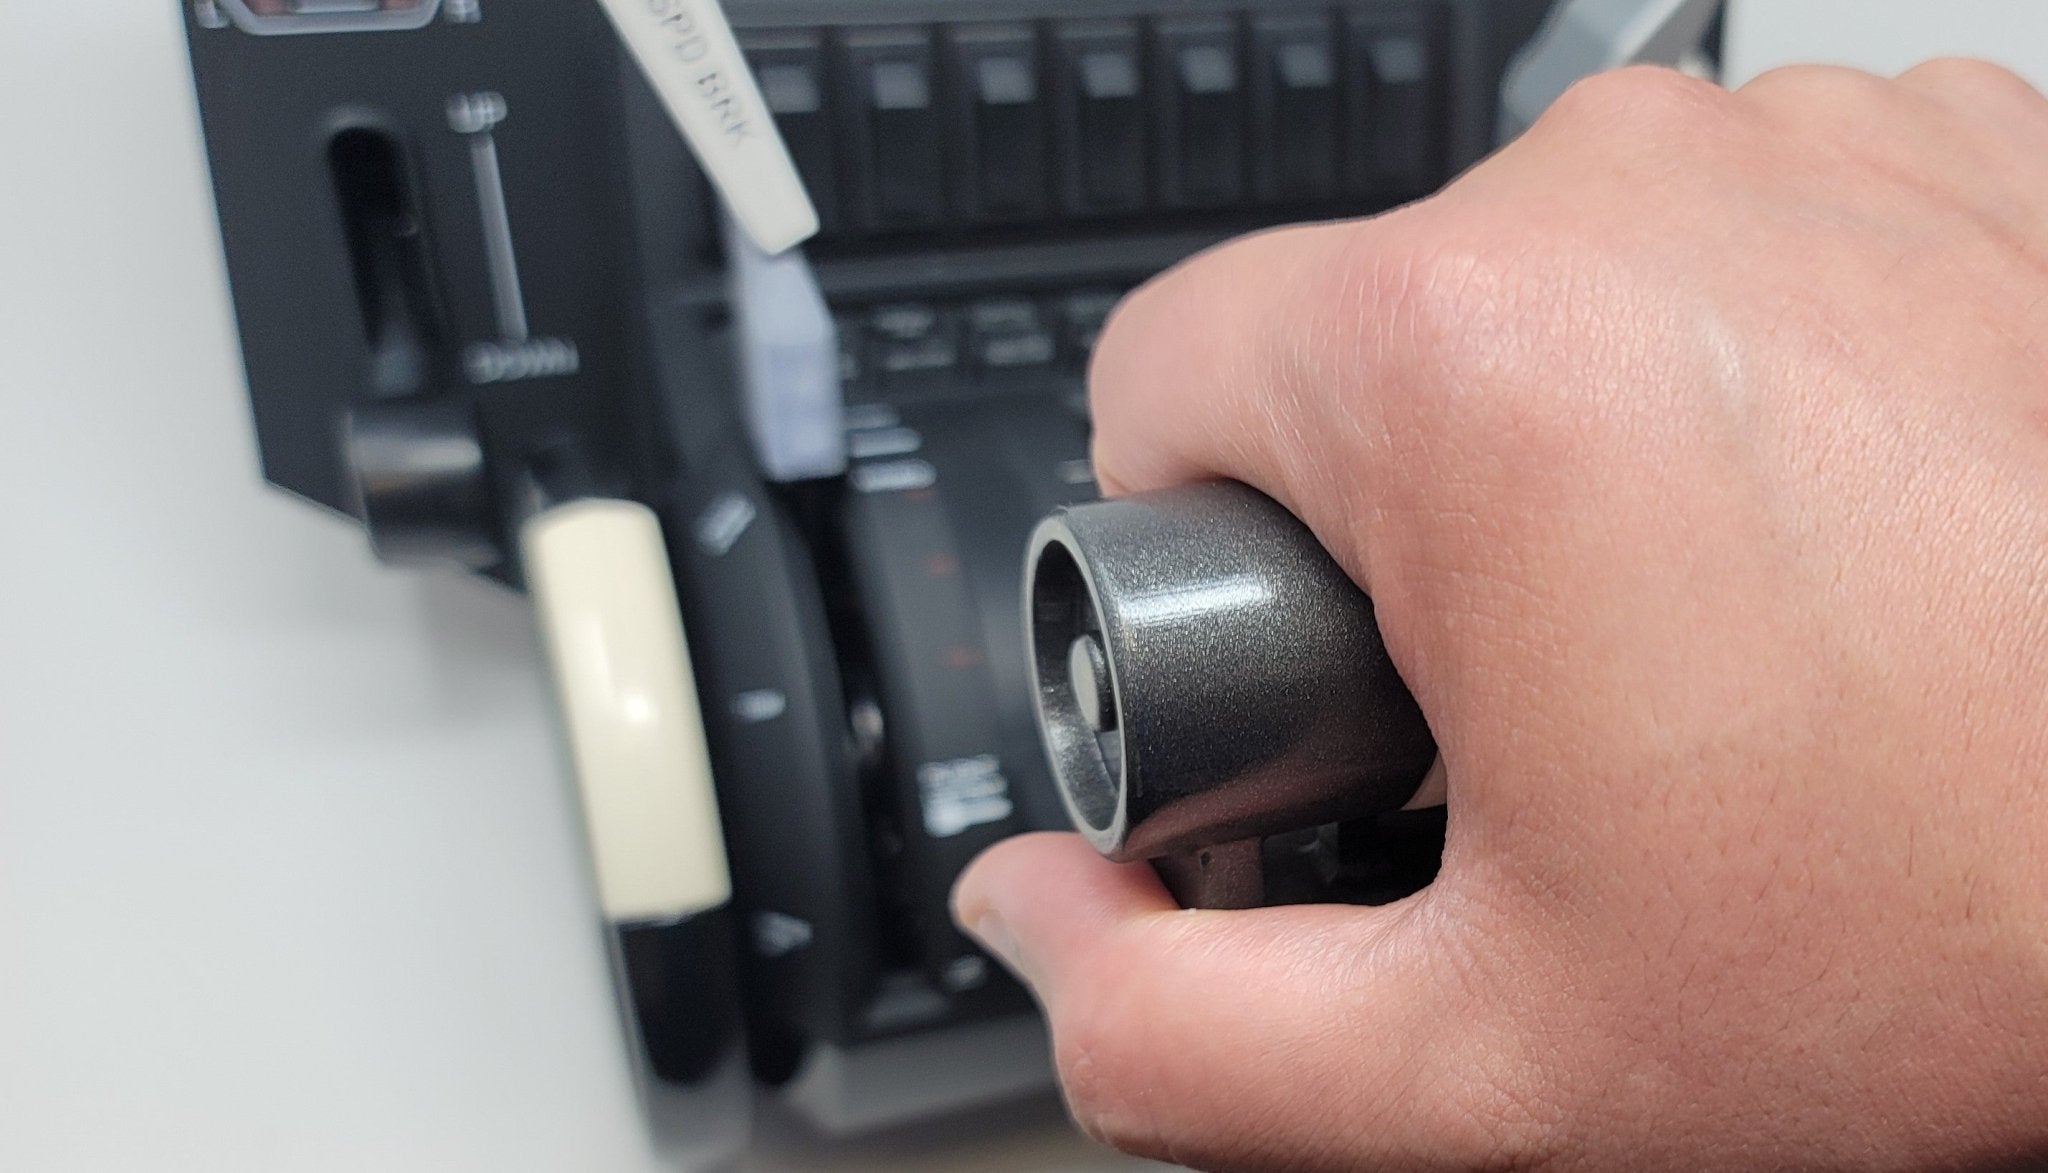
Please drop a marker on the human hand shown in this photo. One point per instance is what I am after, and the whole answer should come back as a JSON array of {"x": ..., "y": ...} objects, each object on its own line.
[{"x": 1694, "y": 450}]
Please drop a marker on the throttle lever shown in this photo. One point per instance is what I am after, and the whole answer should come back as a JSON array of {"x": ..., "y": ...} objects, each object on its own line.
[
  {"x": 1205, "y": 676},
  {"x": 598, "y": 573}
]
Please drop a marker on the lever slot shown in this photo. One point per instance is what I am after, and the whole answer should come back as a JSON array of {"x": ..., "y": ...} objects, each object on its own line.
[{"x": 382, "y": 216}]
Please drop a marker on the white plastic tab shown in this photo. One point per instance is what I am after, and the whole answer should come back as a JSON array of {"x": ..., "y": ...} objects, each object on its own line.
[
  {"x": 687, "y": 51},
  {"x": 600, "y": 582},
  {"x": 789, "y": 362}
]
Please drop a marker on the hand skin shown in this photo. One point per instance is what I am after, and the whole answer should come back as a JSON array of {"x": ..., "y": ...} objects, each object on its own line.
[{"x": 1695, "y": 451}]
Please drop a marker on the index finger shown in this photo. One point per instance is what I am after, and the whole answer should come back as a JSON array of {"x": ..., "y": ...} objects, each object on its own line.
[{"x": 1223, "y": 368}]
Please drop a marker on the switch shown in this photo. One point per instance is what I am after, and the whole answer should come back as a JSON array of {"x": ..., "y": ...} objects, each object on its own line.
[
  {"x": 1001, "y": 126},
  {"x": 914, "y": 348},
  {"x": 1101, "y": 116},
  {"x": 1008, "y": 334},
  {"x": 896, "y": 179},
  {"x": 1295, "y": 108},
  {"x": 853, "y": 367},
  {"x": 331, "y": 16},
  {"x": 277, "y": 7},
  {"x": 1396, "y": 104},
  {"x": 1083, "y": 313},
  {"x": 1201, "y": 113},
  {"x": 791, "y": 69}
]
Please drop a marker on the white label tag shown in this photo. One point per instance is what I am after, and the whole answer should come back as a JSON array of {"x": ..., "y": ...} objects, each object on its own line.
[{"x": 687, "y": 51}]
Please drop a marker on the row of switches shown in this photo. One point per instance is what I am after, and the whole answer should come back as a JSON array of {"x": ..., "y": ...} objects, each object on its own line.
[
  {"x": 916, "y": 350},
  {"x": 915, "y": 127}
]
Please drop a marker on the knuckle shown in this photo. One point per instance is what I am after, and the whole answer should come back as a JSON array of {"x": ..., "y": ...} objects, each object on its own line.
[
  {"x": 1973, "y": 78},
  {"x": 1203, "y": 370},
  {"x": 1637, "y": 100},
  {"x": 1473, "y": 310},
  {"x": 1824, "y": 116},
  {"x": 1524, "y": 385},
  {"x": 1804, "y": 90},
  {"x": 1451, "y": 297}
]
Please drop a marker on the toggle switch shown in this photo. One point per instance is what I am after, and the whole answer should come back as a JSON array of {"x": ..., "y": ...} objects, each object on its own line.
[
  {"x": 268, "y": 17},
  {"x": 1009, "y": 335},
  {"x": 914, "y": 348},
  {"x": 791, "y": 69},
  {"x": 1201, "y": 113},
  {"x": 1083, "y": 313},
  {"x": 1296, "y": 110},
  {"x": 896, "y": 177},
  {"x": 1101, "y": 117},
  {"x": 1396, "y": 100},
  {"x": 1001, "y": 128}
]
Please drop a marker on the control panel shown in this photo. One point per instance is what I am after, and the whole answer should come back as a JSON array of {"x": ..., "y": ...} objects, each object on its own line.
[{"x": 473, "y": 262}]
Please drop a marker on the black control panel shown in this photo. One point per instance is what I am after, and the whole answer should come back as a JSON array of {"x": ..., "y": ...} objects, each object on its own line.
[
  {"x": 950, "y": 127},
  {"x": 465, "y": 232}
]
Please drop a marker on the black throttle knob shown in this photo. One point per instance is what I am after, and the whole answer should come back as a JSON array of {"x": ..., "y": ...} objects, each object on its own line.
[{"x": 1205, "y": 676}]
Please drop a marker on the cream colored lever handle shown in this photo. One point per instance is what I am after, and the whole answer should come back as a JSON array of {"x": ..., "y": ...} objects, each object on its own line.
[{"x": 601, "y": 585}]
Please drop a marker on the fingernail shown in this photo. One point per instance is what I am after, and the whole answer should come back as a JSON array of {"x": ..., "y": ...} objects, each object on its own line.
[{"x": 995, "y": 936}]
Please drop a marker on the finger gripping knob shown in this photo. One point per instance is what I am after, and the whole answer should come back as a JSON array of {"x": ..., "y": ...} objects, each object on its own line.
[{"x": 1205, "y": 675}]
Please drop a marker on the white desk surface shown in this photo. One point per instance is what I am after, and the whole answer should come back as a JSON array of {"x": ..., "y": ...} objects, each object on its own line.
[{"x": 288, "y": 874}]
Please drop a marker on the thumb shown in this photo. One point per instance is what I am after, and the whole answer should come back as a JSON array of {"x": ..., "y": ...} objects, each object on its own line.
[{"x": 1305, "y": 1037}]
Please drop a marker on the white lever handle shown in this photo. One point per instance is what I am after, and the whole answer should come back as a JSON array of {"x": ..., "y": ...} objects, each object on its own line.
[
  {"x": 600, "y": 580},
  {"x": 689, "y": 54}
]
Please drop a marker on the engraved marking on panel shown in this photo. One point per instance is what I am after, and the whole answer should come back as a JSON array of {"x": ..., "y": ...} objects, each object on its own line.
[
  {"x": 724, "y": 522},
  {"x": 778, "y": 934},
  {"x": 894, "y": 476},
  {"x": 967, "y": 792},
  {"x": 965, "y": 973},
  {"x": 869, "y": 443},
  {"x": 861, "y": 416},
  {"x": 759, "y": 706}
]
